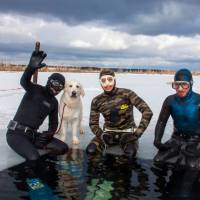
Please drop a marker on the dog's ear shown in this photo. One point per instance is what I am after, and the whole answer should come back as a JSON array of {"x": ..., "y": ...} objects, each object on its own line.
[{"x": 82, "y": 91}]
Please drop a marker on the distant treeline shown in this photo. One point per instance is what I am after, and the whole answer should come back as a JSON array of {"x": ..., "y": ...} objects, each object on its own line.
[{"x": 18, "y": 67}]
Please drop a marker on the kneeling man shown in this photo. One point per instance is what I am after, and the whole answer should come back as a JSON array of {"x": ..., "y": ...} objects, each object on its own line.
[{"x": 116, "y": 106}]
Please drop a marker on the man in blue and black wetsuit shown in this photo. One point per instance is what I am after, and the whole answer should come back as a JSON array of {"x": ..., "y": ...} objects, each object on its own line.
[
  {"x": 184, "y": 107},
  {"x": 38, "y": 103}
]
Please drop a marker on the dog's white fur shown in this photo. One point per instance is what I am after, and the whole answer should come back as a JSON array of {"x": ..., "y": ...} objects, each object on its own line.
[{"x": 70, "y": 110}]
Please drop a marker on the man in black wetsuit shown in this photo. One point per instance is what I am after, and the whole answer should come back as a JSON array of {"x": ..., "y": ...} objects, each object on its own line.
[{"x": 37, "y": 103}]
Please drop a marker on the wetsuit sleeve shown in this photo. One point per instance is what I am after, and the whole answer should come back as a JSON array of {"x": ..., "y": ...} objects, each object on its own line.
[
  {"x": 53, "y": 119},
  {"x": 26, "y": 79},
  {"x": 162, "y": 121},
  {"x": 94, "y": 119},
  {"x": 142, "y": 106}
]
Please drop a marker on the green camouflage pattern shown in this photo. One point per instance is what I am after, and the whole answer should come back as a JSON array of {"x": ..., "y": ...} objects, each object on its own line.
[{"x": 117, "y": 109}]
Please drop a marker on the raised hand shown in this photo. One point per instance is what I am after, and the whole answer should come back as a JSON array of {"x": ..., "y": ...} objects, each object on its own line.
[{"x": 36, "y": 59}]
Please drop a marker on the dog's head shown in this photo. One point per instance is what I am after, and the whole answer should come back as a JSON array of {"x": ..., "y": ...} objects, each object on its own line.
[{"x": 74, "y": 89}]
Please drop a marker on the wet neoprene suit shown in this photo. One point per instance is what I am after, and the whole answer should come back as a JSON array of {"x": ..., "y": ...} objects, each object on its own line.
[
  {"x": 35, "y": 106},
  {"x": 185, "y": 113}
]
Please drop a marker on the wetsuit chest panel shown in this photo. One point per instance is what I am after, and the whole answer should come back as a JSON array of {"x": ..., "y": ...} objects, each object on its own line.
[
  {"x": 34, "y": 107},
  {"x": 117, "y": 111},
  {"x": 114, "y": 106},
  {"x": 186, "y": 114},
  {"x": 42, "y": 103}
]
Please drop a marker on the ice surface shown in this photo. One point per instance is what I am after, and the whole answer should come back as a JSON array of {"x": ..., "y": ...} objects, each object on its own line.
[{"x": 152, "y": 88}]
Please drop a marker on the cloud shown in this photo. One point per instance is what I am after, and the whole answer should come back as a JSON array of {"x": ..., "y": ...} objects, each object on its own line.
[
  {"x": 80, "y": 44},
  {"x": 108, "y": 33},
  {"x": 16, "y": 28},
  {"x": 132, "y": 16}
]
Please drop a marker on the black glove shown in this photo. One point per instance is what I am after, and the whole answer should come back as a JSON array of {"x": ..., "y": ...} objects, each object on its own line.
[
  {"x": 107, "y": 138},
  {"x": 138, "y": 133},
  {"x": 191, "y": 150},
  {"x": 163, "y": 147},
  {"x": 36, "y": 60},
  {"x": 128, "y": 138},
  {"x": 157, "y": 143},
  {"x": 45, "y": 137}
]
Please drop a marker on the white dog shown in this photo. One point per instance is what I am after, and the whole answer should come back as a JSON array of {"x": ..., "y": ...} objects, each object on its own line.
[{"x": 70, "y": 111}]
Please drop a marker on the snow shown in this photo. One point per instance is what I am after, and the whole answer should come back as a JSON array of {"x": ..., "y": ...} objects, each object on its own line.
[{"x": 152, "y": 88}]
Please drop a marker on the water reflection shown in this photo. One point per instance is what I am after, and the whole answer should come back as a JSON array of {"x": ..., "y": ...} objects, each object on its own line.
[
  {"x": 74, "y": 176},
  {"x": 70, "y": 168},
  {"x": 34, "y": 184},
  {"x": 177, "y": 183},
  {"x": 125, "y": 178}
]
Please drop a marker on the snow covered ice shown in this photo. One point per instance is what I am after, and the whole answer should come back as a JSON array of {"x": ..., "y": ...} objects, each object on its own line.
[{"x": 152, "y": 88}]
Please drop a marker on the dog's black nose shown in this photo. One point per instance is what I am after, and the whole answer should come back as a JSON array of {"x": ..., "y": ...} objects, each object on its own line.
[{"x": 73, "y": 93}]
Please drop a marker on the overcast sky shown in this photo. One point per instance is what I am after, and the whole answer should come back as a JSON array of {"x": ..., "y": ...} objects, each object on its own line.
[{"x": 116, "y": 33}]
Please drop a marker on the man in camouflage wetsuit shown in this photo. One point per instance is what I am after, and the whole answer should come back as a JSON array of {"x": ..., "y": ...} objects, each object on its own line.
[{"x": 116, "y": 106}]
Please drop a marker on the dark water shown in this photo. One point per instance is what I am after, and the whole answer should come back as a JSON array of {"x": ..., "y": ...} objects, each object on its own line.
[{"x": 73, "y": 176}]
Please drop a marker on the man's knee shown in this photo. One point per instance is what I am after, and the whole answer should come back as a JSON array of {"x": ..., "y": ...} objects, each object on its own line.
[
  {"x": 91, "y": 149},
  {"x": 60, "y": 149},
  {"x": 130, "y": 149},
  {"x": 33, "y": 157},
  {"x": 64, "y": 148}
]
